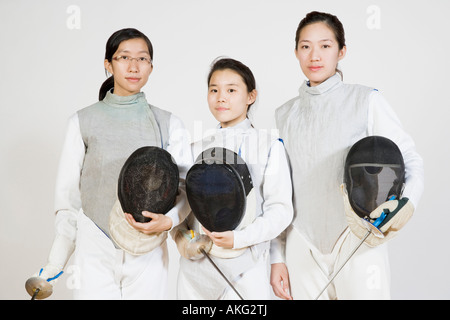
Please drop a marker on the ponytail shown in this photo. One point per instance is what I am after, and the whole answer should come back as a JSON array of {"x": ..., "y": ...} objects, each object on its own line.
[{"x": 106, "y": 86}]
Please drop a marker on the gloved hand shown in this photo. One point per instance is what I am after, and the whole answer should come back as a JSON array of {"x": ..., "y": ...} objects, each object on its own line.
[
  {"x": 190, "y": 243},
  {"x": 399, "y": 212},
  {"x": 62, "y": 248}
]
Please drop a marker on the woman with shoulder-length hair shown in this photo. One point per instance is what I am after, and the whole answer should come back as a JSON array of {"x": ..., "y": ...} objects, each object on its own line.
[{"x": 98, "y": 141}]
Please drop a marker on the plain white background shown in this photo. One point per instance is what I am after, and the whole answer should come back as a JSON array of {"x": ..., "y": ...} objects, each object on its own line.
[{"x": 51, "y": 65}]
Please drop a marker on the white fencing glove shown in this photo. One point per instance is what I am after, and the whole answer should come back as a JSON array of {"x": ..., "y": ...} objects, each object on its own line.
[
  {"x": 189, "y": 243},
  {"x": 398, "y": 213},
  {"x": 62, "y": 248}
]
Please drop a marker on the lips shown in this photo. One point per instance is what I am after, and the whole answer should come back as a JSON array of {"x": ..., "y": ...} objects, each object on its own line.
[
  {"x": 221, "y": 108},
  {"x": 132, "y": 79},
  {"x": 315, "y": 68}
]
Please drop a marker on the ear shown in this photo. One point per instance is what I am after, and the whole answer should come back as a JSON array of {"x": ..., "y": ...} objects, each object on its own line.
[
  {"x": 151, "y": 68},
  {"x": 108, "y": 66},
  {"x": 296, "y": 54},
  {"x": 252, "y": 97},
  {"x": 342, "y": 53}
]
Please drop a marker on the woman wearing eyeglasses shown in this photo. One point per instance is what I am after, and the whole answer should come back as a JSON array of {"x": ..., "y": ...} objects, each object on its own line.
[{"x": 98, "y": 141}]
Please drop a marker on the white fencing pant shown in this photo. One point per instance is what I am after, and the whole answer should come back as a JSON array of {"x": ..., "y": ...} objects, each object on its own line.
[
  {"x": 254, "y": 284},
  {"x": 109, "y": 273},
  {"x": 198, "y": 280},
  {"x": 365, "y": 276}
]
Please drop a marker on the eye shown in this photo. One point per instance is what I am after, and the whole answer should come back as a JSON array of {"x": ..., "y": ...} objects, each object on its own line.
[
  {"x": 326, "y": 46},
  {"x": 231, "y": 90},
  {"x": 304, "y": 46},
  {"x": 213, "y": 90},
  {"x": 123, "y": 58},
  {"x": 143, "y": 59}
]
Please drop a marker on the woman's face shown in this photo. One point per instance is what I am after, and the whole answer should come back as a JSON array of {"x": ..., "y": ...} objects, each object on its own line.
[
  {"x": 131, "y": 66},
  {"x": 228, "y": 97},
  {"x": 318, "y": 52}
]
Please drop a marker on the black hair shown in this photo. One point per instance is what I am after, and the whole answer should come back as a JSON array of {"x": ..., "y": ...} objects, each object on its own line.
[
  {"x": 237, "y": 66},
  {"x": 332, "y": 21},
  {"x": 112, "y": 45}
]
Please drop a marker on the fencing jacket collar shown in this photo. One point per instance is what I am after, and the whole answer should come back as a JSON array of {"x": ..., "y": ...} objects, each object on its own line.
[
  {"x": 330, "y": 84},
  {"x": 114, "y": 100}
]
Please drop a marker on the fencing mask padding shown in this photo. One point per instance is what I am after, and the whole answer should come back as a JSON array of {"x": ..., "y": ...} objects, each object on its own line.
[
  {"x": 374, "y": 172},
  {"x": 217, "y": 186}
]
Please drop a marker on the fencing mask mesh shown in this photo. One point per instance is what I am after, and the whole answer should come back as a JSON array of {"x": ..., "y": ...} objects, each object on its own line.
[
  {"x": 148, "y": 181},
  {"x": 217, "y": 186},
  {"x": 374, "y": 172}
]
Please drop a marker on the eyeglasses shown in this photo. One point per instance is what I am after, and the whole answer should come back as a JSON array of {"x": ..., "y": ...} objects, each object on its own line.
[{"x": 142, "y": 61}]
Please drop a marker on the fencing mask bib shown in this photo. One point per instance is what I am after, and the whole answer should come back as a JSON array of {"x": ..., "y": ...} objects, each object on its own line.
[
  {"x": 148, "y": 181},
  {"x": 217, "y": 186},
  {"x": 374, "y": 173}
]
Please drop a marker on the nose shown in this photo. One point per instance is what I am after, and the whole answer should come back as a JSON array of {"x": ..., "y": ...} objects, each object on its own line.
[
  {"x": 133, "y": 65},
  {"x": 315, "y": 55},
  {"x": 221, "y": 97}
]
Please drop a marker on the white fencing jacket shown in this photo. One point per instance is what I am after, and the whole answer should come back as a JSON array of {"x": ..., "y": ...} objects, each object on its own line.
[{"x": 265, "y": 157}]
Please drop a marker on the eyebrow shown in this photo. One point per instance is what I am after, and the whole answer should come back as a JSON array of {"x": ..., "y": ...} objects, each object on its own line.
[
  {"x": 318, "y": 41},
  {"x": 128, "y": 51},
  {"x": 227, "y": 84}
]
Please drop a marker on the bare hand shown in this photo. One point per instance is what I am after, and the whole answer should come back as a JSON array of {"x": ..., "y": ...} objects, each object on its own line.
[
  {"x": 159, "y": 222},
  {"x": 279, "y": 279},
  {"x": 221, "y": 239}
]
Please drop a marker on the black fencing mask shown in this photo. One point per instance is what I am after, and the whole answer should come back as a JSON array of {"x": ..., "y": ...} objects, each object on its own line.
[
  {"x": 217, "y": 186},
  {"x": 148, "y": 181},
  {"x": 374, "y": 173}
]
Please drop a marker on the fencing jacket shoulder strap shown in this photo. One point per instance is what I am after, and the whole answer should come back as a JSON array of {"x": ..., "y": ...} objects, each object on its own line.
[{"x": 162, "y": 117}]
